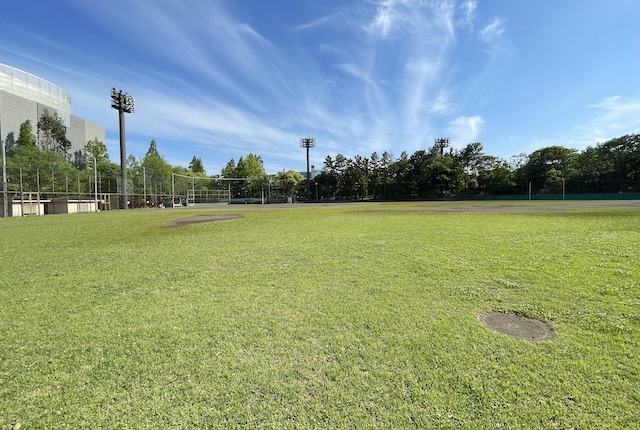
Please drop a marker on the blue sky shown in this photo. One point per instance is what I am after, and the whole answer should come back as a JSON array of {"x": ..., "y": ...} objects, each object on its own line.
[{"x": 222, "y": 78}]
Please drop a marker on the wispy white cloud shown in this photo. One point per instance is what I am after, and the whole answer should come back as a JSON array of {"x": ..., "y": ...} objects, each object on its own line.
[
  {"x": 356, "y": 72},
  {"x": 332, "y": 19},
  {"x": 441, "y": 104},
  {"x": 492, "y": 32},
  {"x": 465, "y": 130},
  {"x": 610, "y": 117},
  {"x": 615, "y": 116},
  {"x": 221, "y": 82},
  {"x": 399, "y": 62},
  {"x": 416, "y": 38},
  {"x": 413, "y": 17},
  {"x": 422, "y": 77},
  {"x": 468, "y": 14},
  {"x": 617, "y": 106},
  {"x": 386, "y": 16}
]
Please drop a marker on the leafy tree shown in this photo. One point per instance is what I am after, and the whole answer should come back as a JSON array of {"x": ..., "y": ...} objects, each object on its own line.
[
  {"x": 446, "y": 175},
  {"x": 399, "y": 174},
  {"x": 179, "y": 170},
  {"x": 53, "y": 134},
  {"x": 196, "y": 165},
  {"x": 355, "y": 182},
  {"x": 344, "y": 178},
  {"x": 418, "y": 176},
  {"x": 375, "y": 174},
  {"x": 95, "y": 149},
  {"x": 153, "y": 149},
  {"x": 340, "y": 165},
  {"x": 494, "y": 176},
  {"x": 547, "y": 167},
  {"x": 109, "y": 177},
  {"x": 9, "y": 143},
  {"x": 612, "y": 166},
  {"x": 326, "y": 184},
  {"x": 158, "y": 171},
  {"x": 385, "y": 165},
  {"x": 188, "y": 183},
  {"x": 79, "y": 160},
  {"x": 328, "y": 179},
  {"x": 626, "y": 153},
  {"x": 26, "y": 136},
  {"x": 135, "y": 179},
  {"x": 517, "y": 161},
  {"x": 251, "y": 167},
  {"x": 379, "y": 174},
  {"x": 289, "y": 181},
  {"x": 229, "y": 171},
  {"x": 133, "y": 163},
  {"x": 29, "y": 167},
  {"x": 471, "y": 157}
]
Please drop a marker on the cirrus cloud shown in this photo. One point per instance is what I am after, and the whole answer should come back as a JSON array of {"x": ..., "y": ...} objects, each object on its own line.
[
  {"x": 465, "y": 129},
  {"x": 492, "y": 31}
]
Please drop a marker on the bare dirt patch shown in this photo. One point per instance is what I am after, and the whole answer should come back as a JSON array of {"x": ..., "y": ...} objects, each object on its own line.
[
  {"x": 198, "y": 219},
  {"x": 517, "y": 326}
]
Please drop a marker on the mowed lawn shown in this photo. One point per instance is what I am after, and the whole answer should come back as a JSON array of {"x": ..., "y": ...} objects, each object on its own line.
[{"x": 302, "y": 316}]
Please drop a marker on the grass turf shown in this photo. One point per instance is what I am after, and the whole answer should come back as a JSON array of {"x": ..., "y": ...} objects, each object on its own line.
[{"x": 358, "y": 316}]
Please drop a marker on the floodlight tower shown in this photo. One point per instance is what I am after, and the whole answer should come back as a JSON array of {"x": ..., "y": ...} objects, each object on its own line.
[
  {"x": 442, "y": 142},
  {"x": 308, "y": 142},
  {"x": 123, "y": 103}
]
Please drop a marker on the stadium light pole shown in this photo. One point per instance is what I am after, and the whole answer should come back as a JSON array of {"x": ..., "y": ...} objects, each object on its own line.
[
  {"x": 442, "y": 142},
  {"x": 123, "y": 103},
  {"x": 308, "y": 142},
  {"x": 95, "y": 181}
]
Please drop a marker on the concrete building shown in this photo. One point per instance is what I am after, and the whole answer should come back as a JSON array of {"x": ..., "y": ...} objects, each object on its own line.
[{"x": 24, "y": 96}]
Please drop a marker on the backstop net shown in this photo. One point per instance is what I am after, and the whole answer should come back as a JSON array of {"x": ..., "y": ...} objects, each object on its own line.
[{"x": 197, "y": 191}]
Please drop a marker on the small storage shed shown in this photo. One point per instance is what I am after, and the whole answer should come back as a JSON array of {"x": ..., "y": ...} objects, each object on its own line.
[
  {"x": 71, "y": 205},
  {"x": 27, "y": 204}
]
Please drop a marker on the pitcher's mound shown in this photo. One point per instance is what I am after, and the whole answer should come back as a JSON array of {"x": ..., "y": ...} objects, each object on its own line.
[
  {"x": 202, "y": 218},
  {"x": 517, "y": 326}
]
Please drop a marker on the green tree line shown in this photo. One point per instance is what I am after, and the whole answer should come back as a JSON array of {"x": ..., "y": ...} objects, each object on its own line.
[
  {"x": 610, "y": 167},
  {"x": 41, "y": 159}
]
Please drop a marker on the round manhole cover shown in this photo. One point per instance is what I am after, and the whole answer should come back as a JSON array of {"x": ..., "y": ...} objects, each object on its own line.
[{"x": 517, "y": 326}]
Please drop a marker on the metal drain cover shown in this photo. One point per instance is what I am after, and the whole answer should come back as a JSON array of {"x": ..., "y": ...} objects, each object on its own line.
[{"x": 517, "y": 326}]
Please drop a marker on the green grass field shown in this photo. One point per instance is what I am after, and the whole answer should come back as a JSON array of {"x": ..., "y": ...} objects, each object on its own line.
[{"x": 345, "y": 316}]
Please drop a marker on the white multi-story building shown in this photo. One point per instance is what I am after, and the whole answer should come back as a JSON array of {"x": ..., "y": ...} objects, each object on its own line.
[{"x": 24, "y": 96}]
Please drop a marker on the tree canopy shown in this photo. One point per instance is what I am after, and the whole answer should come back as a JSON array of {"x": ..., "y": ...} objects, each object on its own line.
[
  {"x": 26, "y": 136},
  {"x": 611, "y": 167},
  {"x": 52, "y": 134},
  {"x": 196, "y": 165},
  {"x": 153, "y": 149},
  {"x": 157, "y": 169},
  {"x": 289, "y": 181},
  {"x": 97, "y": 150}
]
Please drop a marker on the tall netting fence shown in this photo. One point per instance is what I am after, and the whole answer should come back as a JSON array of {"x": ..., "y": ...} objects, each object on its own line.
[
  {"x": 64, "y": 190},
  {"x": 88, "y": 190}
]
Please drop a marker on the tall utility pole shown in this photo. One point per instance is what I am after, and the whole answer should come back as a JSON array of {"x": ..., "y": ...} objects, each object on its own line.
[
  {"x": 308, "y": 142},
  {"x": 123, "y": 103}
]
